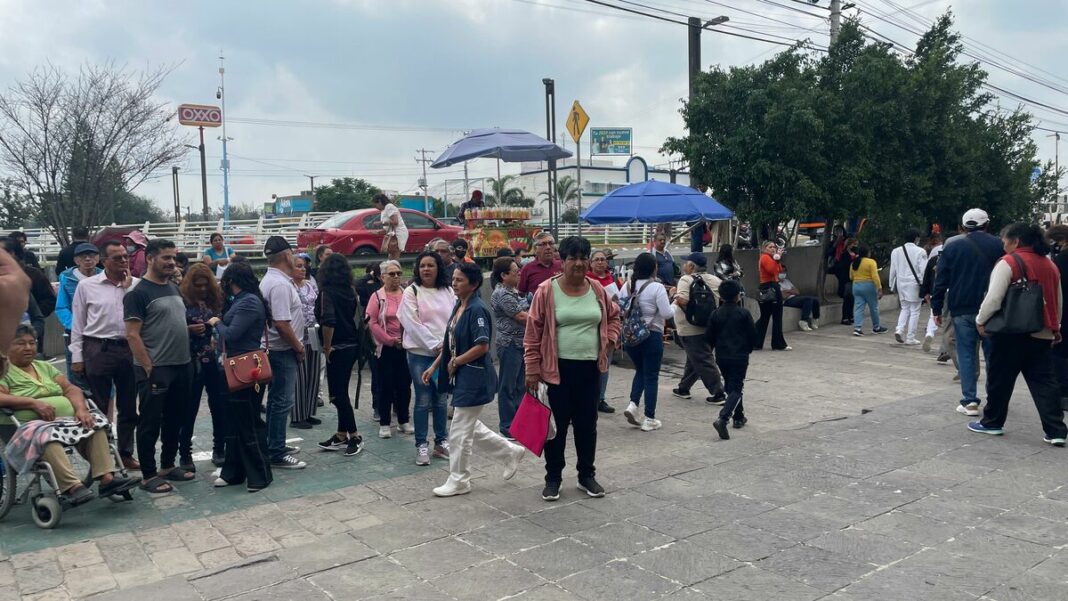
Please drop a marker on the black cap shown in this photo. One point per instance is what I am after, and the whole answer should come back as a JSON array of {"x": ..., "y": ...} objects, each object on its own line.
[
  {"x": 275, "y": 245},
  {"x": 460, "y": 243}
]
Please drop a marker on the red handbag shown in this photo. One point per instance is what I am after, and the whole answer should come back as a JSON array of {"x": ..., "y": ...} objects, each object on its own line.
[
  {"x": 530, "y": 426},
  {"x": 247, "y": 369}
]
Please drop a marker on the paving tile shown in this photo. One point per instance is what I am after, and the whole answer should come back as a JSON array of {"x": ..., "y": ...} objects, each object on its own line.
[
  {"x": 622, "y": 539},
  {"x": 375, "y": 576},
  {"x": 7, "y": 574},
  {"x": 89, "y": 580},
  {"x": 389, "y": 537},
  {"x": 561, "y": 558},
  {"x": 749, "y": 583},
  {"x": 416, "y": 590},
  {"x": 741, "y": 542},
  {"x": 896, "y": 583},
  {"x": 793, "y": 525},
  {"x": 1028, "y": 587},
  {"x": 492, "y": 580},
  {"x": 285, "y": 591},
  {"x": 78, "y": 555},
  {"x": 253, "y": 541},
  {"x": 904, "y": 526},
  {"x": 617, "y": 580},
  {"x": 175, "y": 588},
  {"x": 546, "y": 592},
  {"x": 994, "y": 547},
  {"x": 456, "y": 514},
  {"x": 817, "y": 568},
  {"x": 218, "y": 558},
  {"x": 325, "y": 554},
  {"x": 860, "y": 545},
  {"x": 38, "y": 577},
  {"x": 1054, "y": 568},
  {"x": 569, "y": 518},
  {"x": 439, "y": 557},
  {"x": 677, "y": 521},
  {"x": 509, "y": 536},
  {"x": 685, "y": 562},
  {"x": 242, "y": 578},
  {"x": 941, "y": 569},
  {"x": 176, "y": 561}
]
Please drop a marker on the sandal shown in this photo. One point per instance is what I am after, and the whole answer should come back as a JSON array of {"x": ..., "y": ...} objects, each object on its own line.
[
  {"x": 156, "y": 485},
  {"x": 178, "y": 474},
  {"x": 117, "y": 486},
  {"x": 78, "y": 495}
]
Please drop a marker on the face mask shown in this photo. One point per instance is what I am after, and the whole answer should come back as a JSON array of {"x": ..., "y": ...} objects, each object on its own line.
[{"x": 131, "y": 249}]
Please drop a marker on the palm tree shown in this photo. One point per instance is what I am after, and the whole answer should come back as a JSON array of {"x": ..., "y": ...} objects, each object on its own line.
[
  {"x": 504, "y": 194},
  {"x": 567, "y": 191}
]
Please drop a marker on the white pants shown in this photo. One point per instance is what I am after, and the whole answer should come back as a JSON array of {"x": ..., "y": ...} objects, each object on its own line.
[
  {"x": 909, "y": 318},
  {"x": 932, "y": 327},
  {"x": 465, "y": 432}
]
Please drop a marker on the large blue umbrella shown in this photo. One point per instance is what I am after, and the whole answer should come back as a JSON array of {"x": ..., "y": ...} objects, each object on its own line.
[
  {"x": 508, "y": 145},
  {"x": 654, "y": 202}
]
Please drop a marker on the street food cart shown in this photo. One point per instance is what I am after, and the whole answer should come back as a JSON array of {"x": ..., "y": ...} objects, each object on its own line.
[{"x": 490, "y": 229}]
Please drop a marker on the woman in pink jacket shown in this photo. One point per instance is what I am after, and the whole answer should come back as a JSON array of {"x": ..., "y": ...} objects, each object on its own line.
[
  {"x": 572, "y": 328},
  {"x": 394, "y": 390}
]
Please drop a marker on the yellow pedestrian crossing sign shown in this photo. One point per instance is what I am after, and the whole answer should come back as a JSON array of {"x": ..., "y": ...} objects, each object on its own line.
[{"x": 577, "y": 120}]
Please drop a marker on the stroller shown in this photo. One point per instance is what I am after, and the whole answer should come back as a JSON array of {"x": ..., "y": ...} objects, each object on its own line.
[{"x": 48, "y": 505}]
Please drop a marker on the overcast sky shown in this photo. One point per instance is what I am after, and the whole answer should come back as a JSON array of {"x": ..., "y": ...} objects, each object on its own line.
[{"x": 414, "y": 73}]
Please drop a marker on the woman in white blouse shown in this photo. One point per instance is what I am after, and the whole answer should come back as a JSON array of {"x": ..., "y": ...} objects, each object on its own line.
[
  {"x": 396, "y": 232},
  {"x": 652, "y": 299}
]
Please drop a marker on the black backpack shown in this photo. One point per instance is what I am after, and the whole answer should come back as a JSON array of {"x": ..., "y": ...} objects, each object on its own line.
[{"x": 702, "y": 303}]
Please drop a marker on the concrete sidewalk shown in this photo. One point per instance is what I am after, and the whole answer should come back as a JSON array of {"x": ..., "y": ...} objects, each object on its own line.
[{"x": 855, "y": 479}]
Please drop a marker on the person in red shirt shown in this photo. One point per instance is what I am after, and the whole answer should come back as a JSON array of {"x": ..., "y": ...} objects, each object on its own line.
[
  {"x": 771, "y": 306},
  {"x": 544, "y": 266},
  {"x": 600, "y": 273}
]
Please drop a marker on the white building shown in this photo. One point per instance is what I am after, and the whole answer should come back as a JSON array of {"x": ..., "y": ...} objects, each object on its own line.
[{"x": 599, "y": 177}]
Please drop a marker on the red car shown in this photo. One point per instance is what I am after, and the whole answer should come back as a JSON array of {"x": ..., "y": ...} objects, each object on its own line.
[{"x": 359, "y": 232}]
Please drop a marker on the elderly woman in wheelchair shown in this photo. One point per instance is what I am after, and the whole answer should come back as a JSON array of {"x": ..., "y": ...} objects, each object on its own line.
[{"x": 41, "y": 414}]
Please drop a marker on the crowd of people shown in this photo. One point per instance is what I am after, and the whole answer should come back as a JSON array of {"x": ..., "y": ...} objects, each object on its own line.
[{"x": 148, "y": 345}]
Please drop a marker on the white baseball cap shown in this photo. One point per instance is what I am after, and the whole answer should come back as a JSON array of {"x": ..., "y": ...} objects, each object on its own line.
[{"x": 974, "y": 218}]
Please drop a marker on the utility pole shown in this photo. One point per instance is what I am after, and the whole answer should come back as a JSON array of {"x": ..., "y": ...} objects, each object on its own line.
[
  {"x": 311, "y": 178},
  {"x": 221, "y": 95},
  {"x": 177, "y": 200},
  {"x": 203, "y": 173},
  {"x": 467, "y": 193},
  {"x": 550, "y": 134},
  {"x": 423, "y": 183},
  {"x": 836, "y": 19},
  {"x": 694, "y": 35}
]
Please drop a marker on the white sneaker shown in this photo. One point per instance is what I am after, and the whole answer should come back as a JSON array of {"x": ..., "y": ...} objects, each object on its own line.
[
  {"x": 422, "y": 454},
  {"x": 971, "y": 409},
  {"x": 631, "y": 413},
  {"x": 385, "y": 432},
  {"x": 927, "y": 340},
  {"x": 804, "y": 326},
  {"x": 650, "y": 424},
  {"x": 450, "y": 489},
  {"x": 406, "y": 428},
  {"x": 513, "y": 464},
  {"x": 814, "y": 323},
  {"x": 912, "y": 342}
]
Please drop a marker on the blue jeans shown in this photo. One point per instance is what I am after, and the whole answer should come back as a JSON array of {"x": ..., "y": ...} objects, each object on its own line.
[
  {"x": 511, "y": 385},
  {"x": 646, "y": 357},
  {"x": 281, "y": 394},
  {"x": 864, "y": 294},
  {"x": 427, "y": 399},
  {"x": 968, "y": 341},
  {"x": 604, "y": 383}
]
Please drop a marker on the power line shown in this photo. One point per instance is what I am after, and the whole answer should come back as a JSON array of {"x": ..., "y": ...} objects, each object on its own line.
[{"x": 358, "y": 126}]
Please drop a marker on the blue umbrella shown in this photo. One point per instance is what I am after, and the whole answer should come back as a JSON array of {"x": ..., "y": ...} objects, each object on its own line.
[
  {"x": 654, "y": 202},
  {"x": 508, "y": 145}
]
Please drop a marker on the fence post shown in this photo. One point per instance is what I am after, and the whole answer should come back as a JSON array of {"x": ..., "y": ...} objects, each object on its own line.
[{"x": 606, "y": 235}]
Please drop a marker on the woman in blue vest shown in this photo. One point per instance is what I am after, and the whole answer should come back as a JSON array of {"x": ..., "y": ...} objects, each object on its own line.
[{"x": 465, "y": 367}]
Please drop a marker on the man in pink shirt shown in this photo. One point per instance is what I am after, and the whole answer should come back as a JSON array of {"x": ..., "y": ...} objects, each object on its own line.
[{"x": 544, "y": 266}]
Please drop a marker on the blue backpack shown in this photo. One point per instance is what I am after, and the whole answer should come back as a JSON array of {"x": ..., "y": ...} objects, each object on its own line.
[{"x": 635, "y": 330}]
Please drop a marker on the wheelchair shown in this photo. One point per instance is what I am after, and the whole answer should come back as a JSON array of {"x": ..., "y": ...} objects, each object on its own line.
[{"x": 41, "y": 491}]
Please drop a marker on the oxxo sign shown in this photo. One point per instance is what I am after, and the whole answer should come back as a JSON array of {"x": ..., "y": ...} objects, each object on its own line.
[{"x": 199, "y": 115}]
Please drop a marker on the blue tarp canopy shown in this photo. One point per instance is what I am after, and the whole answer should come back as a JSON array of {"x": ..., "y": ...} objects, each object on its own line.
[
  {"x": 508, "y": 145},
  {"x": 654, "y": 202}
]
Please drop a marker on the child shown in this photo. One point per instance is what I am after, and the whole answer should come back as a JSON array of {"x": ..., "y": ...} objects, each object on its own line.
[{"x": 733, "y": 335}]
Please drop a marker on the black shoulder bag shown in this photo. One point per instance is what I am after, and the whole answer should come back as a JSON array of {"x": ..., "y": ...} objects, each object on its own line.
[{"x": 1022, "y": 310}]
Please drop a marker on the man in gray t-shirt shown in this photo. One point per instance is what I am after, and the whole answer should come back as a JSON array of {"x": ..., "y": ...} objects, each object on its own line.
[{"x": 159, "y": 342}]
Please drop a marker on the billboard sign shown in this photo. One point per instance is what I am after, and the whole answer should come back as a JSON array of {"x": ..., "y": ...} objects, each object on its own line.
[
  {"x": 199, "y": 115},
  {"x": 611, "y": 140}
]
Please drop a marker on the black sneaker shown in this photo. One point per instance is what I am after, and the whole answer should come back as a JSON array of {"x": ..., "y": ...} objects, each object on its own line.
[
  {"x": 288, "y": 462},
  {"x": 682, "y": 394},
  {"x": 721, "y": 429},
  {"x": 218, "y": 458},
  {"x": 300, "y": 425},
  {"x": 879, "y": 330},
  {"x": 740, "y": 422},
  {"x": 314, "y": 421},
  {"x": 719, "y": 399},
  {"x": 551, "y": 492},
  {"x": 944, "y": 357},
  {"x": 591, "y": 487},
  {"x": 604, "y": 407},
  {"x": 354, "y": 446},
  {"x": 333, "y": 444}
]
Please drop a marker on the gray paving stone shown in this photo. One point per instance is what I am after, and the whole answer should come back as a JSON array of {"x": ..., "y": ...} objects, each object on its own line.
[
  {"x": 416, "y": 590},
  {"x": 815, "y": 567},
  {"x": 952, "y": 508},
  {"x": 1054, "y": 568},
  {"x": 546, "y": 592},
  {"x": 89, "y": 580},
  {"x": 440, "y": 557},
  {"x": 1030, "y": 528},
  {"x": 685, "y": 562},
  {"x": 38, "y": 577},
  {"x": 939, "y": 568},
  {"x": 391, "y": 536},
  {"x": 842, "y": 511},
  {"x": 625, "y": 504},
  {"x": 750, "y": 583},
  {"x": 728, "y": 507},
  {"x": 509, "y": 536},
  {"x": 565, "y": 519},
  {"x": 7, "y": 574},
  {"x": 1028, "y": 587},
  {"x": 991, "y": 546},
  {"x": 677, "y": 521},
  {"x": 863, "y": 546},
  {"x": 286, "y": 591},
  {"x": 617, "y": 580},
  {"x": 672, "y": 489},
  {"x": 492, "y": 580},
  {"x": 243, "y": 578},
  {"x": 325, "y": 554},
  {"x": 741, "y": 542},
  {"x": 561, "y": 558},
  {"x": 456, "y": 514},
  {"x": 622, "y": 539},
  {"x": 368, "y": 578},
  {"x": 897, "y": 583},
  {"x": 175, "y": 588},
  {"x": 792, "y": 525}
]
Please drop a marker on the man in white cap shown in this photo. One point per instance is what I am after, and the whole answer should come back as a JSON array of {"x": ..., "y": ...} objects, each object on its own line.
[{"x": 961, "y": 281}]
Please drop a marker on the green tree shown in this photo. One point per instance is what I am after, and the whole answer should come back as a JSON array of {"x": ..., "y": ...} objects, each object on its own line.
[
  {"x": 128, "y": 208},
  {"x": 567, "y": 192},
  {"x": 345, "y": 194},
  {"x": 504, "y": 193},
  {"x": 16, "y": 210}
]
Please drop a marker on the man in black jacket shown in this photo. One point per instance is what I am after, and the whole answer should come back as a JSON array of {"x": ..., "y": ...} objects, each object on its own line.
[
  {"x": 65, "y": 260},
  {"x": 733, "y": 335}
]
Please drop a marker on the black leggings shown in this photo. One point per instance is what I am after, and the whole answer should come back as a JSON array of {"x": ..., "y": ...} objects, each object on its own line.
[
  {"x": 393, "y": 387},
  {"x": 207, "y": 377},
  {"x": 246, "y": 440},
  {"x": 338, "y": 374}
]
